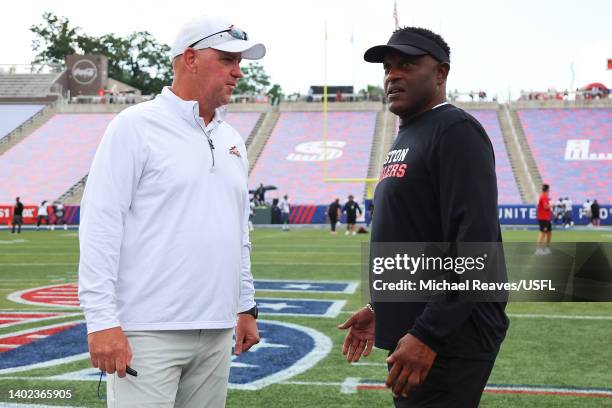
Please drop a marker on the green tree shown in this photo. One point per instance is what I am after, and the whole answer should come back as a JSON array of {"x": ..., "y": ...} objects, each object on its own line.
[
  {"x": 275, "y": 93},
  {"x": 255, "y": 80},
  {"x": 137, "y": 59},
  {"x": 55, "y": 39},
  {"x": 372, "y": 92}
]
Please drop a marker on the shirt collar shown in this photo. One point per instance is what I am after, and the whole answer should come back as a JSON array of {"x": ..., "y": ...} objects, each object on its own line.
[
  {"x": 186, "y": 109},
  {"x": 440, "y": 104},
  {"x": 404, "y": 122}
]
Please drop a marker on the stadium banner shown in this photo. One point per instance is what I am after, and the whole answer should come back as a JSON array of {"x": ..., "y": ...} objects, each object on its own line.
[
  {"x": 508, "y": 215},
  {"x": 317, "y": 214},
  {"x": 526, "y": 215},
  {"x": 30, "y": 214}
]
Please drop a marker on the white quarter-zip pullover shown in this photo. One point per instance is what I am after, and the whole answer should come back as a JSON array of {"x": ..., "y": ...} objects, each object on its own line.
[{"x": 164, "y": 235}]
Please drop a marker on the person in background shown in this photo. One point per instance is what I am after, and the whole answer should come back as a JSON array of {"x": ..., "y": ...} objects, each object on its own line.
[
  {"x": 544, "y": 212},
  {"x": 334, "y": 212},
  {"x": 568, "y": 213},
  {"x": 370, "y": 215},
  {"x": 43, "y": 215},
  {"x": 260, "y": 195},
  {"x": 275, "y": 212},
  {"x": 17, "y": 216},
  {"x": 557, "y": 205},
  {"x": 351, "y": 208},
  {"x": 595, "y": 214},
  {"x": 285, "y": 210},
  {"x": 586, "y": 211},
  {"x": 58, "y": 211}
]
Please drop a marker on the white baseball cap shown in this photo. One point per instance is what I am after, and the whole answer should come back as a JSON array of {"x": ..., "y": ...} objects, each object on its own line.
[{"x": 218, "y": 33}]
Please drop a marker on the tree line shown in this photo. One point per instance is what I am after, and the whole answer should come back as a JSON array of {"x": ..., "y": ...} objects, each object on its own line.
[{"x": 137, "y": 59}]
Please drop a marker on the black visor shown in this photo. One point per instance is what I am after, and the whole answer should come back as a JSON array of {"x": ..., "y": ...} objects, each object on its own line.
[{"x": 408, "y": 44}]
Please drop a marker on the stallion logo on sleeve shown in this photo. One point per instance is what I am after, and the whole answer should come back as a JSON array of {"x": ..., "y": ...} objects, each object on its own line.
[{"x": 234, "y": 150}]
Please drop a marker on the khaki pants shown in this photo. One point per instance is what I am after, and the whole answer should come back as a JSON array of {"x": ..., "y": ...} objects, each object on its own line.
[{"x": 179, "y": 368}]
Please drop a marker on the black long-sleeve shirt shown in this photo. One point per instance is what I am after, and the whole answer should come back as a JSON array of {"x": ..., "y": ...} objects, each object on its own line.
[
  {"x": 18, "y": 209},
  {"x": 438, "y": 184},
  {"x": 332, "y": 211},
  {"x": 351, "y": 208}
]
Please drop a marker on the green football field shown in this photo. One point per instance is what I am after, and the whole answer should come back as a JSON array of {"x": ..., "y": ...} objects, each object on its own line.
[{"x": 551, "y": 346}]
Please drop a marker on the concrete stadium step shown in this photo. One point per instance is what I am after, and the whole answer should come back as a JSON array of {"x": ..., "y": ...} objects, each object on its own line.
[
  {"x": 525, "y": 170},
  {"x": 259, "y": 140},
  {"x": 74, "y": 194},
  {"x": 256, "y": 128},
  {"x": 19, "y": 85},
  {"x": 385, "y": 131}
]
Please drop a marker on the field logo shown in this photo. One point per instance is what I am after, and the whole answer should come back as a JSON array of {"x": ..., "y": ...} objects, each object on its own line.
[
  {"x": 43, "y": 347},
  {"x": 63, "y": 296},
  {"x": 285, "y": 350},
  {"x": 317, "y": 151},
  {"x": 66, "y": 296}
]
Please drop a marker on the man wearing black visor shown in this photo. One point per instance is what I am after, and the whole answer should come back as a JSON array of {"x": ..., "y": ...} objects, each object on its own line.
[{"x": 438, "y": 184}]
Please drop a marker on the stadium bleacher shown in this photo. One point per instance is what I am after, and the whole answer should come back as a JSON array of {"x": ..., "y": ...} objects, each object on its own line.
[
  {"x": 243, "y": 122},
  {"x": 508, "y": 192},
  {"x": 13, "y": 115},
  {"x": 573, "y": 150},
  {"x": 293, "y": 158},
  {"x": 53, "y": 158},
  {"x": 26, "y": 85}
]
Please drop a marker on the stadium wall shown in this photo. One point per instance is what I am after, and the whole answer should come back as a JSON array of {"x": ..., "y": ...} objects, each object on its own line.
[
  {"x": 317, "y": 214},
  {"x": 508, "y": 215},
  {"x": 526, "y": 215},
  {"x": 30, "y": 213}
]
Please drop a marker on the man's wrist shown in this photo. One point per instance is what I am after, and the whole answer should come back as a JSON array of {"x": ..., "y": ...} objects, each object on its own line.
[
  {"x": 424, "y": 337},
  {"x": 254, "y": 311}
]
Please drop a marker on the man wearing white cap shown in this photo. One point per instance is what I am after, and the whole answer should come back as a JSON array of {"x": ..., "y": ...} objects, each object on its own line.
[{"x": 164, "y": 273}]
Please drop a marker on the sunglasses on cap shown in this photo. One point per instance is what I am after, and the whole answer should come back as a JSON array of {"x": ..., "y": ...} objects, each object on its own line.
[{"x": 233, "y": 32}]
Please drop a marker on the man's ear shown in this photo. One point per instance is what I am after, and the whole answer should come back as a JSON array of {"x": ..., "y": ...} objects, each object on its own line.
[
  {"x": 442, "y": 73},
  {"x": 189, "y": 58}
]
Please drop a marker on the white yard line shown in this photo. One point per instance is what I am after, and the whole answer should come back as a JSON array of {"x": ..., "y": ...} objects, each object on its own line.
[
  {"x": 333, "y": 384},
  {"x": 535, "y": 316},
  {"x": 7, "y": 405},
  {"x": 292, "y": 263},
  {"x": 370, "y": 364},
  {"x": 553, "y": 316},
  {"x": 39, "y": 264},
  {"x": 37, "y": 320}
]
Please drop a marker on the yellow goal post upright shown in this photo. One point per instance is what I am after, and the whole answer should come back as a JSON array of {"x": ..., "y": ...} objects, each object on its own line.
[{"x": 370, "y": 182}]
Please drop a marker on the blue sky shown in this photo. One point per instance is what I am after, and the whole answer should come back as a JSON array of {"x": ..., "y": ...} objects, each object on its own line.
[{"x": 498, "y": 46}]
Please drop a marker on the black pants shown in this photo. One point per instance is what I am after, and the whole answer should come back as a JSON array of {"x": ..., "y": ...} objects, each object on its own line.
[
  {"x": 333, "y": 220},
  {"x": 452, "y": 383},
  {"x": 17, "y": 221}
]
